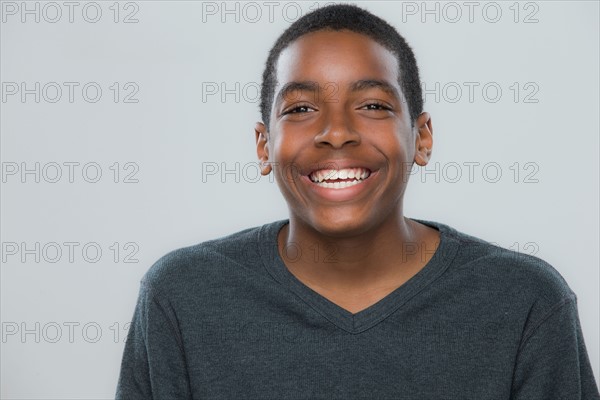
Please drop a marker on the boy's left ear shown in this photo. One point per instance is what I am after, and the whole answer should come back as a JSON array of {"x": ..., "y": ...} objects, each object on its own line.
[{"x": 424, "y": 139}]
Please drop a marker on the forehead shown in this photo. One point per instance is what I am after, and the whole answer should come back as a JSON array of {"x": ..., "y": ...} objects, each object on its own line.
[{"x": 336, "y": 56}]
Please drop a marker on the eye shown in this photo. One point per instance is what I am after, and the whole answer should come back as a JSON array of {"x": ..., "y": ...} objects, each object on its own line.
[
  {"x": 300, "y": 109},
  {"x": 376, "y": 106}
]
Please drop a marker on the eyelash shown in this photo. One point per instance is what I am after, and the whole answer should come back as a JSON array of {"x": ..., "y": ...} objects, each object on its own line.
[
  {"x": 291, "y": 110},
  {"x": 383, "y": 106},
  {"x": 376, "y": 103}
]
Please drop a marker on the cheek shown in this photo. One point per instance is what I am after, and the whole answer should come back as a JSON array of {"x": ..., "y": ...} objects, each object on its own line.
[
  {"x": 398, "y": 150},
  {"x": 286, "y": 151},
  {"x": 286, "y": 146}
]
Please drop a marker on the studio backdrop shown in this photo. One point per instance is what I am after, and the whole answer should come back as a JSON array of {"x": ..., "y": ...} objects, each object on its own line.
[{"x": 127, "y": 131}]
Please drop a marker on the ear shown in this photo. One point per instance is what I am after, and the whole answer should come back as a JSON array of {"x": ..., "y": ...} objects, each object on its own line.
[
  {"x": 424, "y": 139},
  {"x": 262, "y": 147}
]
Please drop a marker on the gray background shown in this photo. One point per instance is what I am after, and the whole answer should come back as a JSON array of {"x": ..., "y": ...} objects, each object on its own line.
[{"x": 64, "y": 319}]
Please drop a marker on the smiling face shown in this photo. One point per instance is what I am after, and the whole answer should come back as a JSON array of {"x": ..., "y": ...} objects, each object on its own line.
[{"x": 338, "y": 106}]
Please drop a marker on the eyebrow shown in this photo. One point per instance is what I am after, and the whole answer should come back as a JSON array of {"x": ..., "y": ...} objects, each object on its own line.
[
  {"x": 356, "y": 86},
  {"x": 290, "y": 87},
  {"x": 364, "y": 84}
]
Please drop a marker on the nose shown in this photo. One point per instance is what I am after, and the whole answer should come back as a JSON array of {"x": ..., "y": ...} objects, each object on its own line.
[{"x": 338, "y": 132}]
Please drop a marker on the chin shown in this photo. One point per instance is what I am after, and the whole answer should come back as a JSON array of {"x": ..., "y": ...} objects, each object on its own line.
[{"x": 338, "y": 225}]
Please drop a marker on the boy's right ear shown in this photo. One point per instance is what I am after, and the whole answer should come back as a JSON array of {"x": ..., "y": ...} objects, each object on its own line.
[{"x": 262, "y": 147}]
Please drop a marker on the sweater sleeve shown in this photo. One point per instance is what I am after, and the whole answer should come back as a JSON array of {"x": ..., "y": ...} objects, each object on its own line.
[
  {"x": 552, "y": 363},
  {"x": 153, "y": 364}
]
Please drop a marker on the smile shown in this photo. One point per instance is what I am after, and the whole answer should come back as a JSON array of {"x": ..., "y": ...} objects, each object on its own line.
[{"x": 339, "y": 179}]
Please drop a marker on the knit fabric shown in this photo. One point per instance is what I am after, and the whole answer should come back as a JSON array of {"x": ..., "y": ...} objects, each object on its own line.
[{"x": 226, "y": 319}]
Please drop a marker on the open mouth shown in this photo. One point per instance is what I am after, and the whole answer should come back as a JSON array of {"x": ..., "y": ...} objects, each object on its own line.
[{"x": 339, "y": 179}]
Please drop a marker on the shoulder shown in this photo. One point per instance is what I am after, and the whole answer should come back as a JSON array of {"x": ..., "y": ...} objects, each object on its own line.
[
  {"x": 502, "y": 269},
  {"x": 203, "y": 263}
]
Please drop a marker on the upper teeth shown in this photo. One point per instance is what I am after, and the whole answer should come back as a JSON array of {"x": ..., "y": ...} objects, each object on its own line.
[{"x": 332, "y": 174}]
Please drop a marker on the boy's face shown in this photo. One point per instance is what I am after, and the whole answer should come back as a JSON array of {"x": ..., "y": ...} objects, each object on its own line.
[{"x": 346, "y": 111}]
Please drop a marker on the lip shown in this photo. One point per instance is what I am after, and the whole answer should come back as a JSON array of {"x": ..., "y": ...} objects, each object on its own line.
[{"x": 344, "y": 194}]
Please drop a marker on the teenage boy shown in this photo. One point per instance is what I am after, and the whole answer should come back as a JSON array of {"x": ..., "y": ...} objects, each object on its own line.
[{"x": 349, "y": 299}]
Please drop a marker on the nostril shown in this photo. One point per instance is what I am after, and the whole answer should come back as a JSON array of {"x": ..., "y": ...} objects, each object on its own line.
[{"x": 337, "y": 137}]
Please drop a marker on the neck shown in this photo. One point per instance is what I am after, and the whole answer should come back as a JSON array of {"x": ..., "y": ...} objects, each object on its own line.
[{"x": 377, "y": 257}]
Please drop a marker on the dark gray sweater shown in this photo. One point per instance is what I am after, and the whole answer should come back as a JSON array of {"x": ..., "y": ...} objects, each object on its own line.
[{"x": 225, "y": 319}]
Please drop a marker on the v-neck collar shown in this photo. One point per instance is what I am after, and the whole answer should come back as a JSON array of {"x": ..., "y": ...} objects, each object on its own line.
[{"x": 372, "y": 315}]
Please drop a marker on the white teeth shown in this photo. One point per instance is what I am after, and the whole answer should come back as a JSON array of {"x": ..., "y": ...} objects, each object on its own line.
[
  {"x": 338, "y": 185},
  {"x": 332, "y": 174},
  {"x": 329, "y": 174}
]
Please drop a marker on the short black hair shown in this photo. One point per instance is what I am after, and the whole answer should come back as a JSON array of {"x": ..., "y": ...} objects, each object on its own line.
[{"x": 353, "y": 18}]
